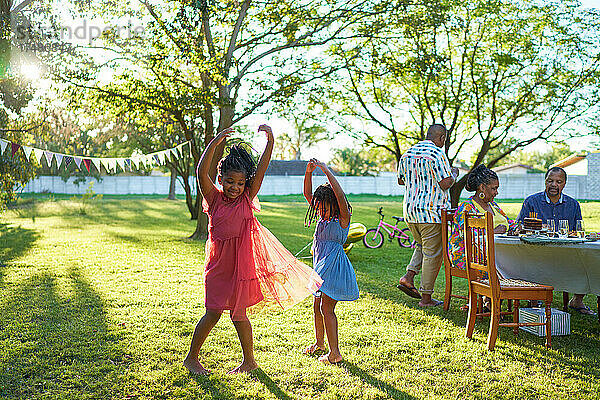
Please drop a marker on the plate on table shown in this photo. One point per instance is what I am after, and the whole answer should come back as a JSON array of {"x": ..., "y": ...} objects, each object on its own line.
[{"x": 538, "y": 239}]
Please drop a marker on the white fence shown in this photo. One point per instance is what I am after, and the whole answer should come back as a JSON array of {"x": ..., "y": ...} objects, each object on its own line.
[{"x": 511, "y": 186}]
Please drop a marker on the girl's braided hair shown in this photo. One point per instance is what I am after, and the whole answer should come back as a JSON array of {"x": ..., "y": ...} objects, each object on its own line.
[
  {"x": 323, "y": 197},
  {"x": 238, "y": 159},
  {"x": 480, "y": 175}
]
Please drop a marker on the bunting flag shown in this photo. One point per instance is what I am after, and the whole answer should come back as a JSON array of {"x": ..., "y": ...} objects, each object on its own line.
[
  {"x": 77, "y": 161},
  {"x": 96, "y": 162},
  {"x": 38, "y": 155},
  {"x": 27, "y": 151},
  {"x": 110, "y": 164},
  {"x": 49, "y": 156},
  {"x": 59, "y": 159},
  {"x": 14, "y": 148}
]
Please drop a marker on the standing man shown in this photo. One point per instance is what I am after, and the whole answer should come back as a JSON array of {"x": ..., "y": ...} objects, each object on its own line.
[
  {"x": 425, "y": 171},
  {"x": 552, "y": 203}
]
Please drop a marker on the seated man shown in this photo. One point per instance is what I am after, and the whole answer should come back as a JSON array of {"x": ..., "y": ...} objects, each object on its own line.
[{"x": 554, "y": 204}]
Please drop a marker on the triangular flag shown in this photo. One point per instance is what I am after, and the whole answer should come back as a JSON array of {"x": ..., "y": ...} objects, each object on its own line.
[
  {"x": 87, "y": 162},
  {"x": 128, "y": 163},
  {"x": 161, "y": 157},
  {"x": 59, "y": 159},
  {"x": 49, "y": 155},
  {"x": 136, "y": 162},
  {"x": 113, "y": 164},
  {"x": 14, "y": 148},
  {"x": 155, "y": 159},
  {"x": 38, "y": 153},
  {"x": 27, "y": 151},
  {"x": 3, "y": 144},
  {"x": 121, "y": 163},
  {"x": 105, "y": 163},
  {"x": 78, "y": 161},
  {"x": 96, "y": 162},
  {"x": 68, "y": 160}
]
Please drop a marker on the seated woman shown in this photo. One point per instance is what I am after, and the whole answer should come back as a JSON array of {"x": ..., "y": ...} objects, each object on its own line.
[{"x": 484, "y": 182}]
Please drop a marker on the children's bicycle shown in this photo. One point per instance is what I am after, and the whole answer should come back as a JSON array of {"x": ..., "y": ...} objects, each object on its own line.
[{"x": 373, "y": 239}]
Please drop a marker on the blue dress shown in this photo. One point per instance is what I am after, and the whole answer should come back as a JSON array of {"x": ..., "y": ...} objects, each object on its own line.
[{"x": 331, "y": 262}]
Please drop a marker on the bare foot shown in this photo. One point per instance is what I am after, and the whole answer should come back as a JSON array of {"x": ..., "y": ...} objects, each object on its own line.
[
  {"x": 314, "y": 348},
  {"x": 244, "y": 367},
  {"x": 195, "y": 367},
  {"x": 431, "y": 303},
  {"x": 331, "y": 359}
]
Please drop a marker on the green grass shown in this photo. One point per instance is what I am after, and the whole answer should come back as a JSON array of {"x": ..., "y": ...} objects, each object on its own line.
[{"x": 101, "y": 302}]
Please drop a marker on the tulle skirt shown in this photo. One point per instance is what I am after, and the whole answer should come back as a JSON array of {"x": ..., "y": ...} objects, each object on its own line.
[{"x": 254, "y": 271}]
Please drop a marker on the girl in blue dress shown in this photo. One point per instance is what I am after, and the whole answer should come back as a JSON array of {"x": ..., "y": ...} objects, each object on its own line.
[{"x": 329, "y": 205}]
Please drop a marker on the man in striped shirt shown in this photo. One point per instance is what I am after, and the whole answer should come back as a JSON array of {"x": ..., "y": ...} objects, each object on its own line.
[{"x": 426, "y": 172}]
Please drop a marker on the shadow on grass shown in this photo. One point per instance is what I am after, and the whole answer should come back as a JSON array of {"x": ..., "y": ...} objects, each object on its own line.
[
  {"x": 214, "y": 387},
  {"x": 14, "y": 242},
  {"x": 55, "y": 341},
  {"x": 391, "y": 391},
  {"x": 270, "y": 384}
]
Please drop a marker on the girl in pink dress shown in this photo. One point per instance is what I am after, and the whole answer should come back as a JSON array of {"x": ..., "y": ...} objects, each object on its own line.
[{"x": 247, "y": 268}]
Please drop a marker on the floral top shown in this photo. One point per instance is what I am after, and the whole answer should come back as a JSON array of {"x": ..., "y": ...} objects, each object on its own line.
[{"x": 457, "y": 241}]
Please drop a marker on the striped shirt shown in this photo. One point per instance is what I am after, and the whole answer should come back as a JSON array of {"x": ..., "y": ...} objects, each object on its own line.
[{"x": 421, "y": 168}]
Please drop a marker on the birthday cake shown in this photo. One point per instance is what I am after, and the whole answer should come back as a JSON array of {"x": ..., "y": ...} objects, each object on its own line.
[{"x": 532, "y": 224}]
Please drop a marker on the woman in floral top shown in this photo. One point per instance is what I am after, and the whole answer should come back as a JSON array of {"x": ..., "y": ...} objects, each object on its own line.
[{"x": 484, "y": 182}]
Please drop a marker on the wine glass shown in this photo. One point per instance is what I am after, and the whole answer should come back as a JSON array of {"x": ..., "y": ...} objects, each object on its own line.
[
  {"x": 551, "y": 227},
  {"x": 579, "y": 228},
  {"x": 563, "y": 228}
]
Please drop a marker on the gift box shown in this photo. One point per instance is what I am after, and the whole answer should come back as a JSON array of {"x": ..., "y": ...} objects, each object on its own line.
[{"x": 560, "y": 321}]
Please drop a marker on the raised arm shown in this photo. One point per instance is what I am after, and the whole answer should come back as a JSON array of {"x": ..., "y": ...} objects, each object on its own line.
[
  {"x": 308, "y": 192},
  {"x": 339, "y": 193},
  {"x": 206, "y": 184},
  {"x": 263, "y": 163}
]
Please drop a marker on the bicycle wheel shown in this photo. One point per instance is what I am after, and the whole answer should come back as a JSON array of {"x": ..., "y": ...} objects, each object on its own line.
[
  {"x": 405, "y": 238},
  {"x": 373, "y": 239}
]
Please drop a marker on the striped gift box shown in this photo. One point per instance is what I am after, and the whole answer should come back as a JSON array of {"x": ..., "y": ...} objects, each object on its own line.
[{"x": 561, "y": 321}]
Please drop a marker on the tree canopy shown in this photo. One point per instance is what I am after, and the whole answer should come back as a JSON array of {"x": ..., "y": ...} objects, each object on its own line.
[
  {"x": 208, "y": 65},
  {"x": 490, "y": 71}
]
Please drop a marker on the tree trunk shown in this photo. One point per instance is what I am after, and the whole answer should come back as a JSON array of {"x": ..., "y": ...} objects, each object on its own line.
[
  {"x": 201, "y": 232},
  {"x": 172, "y": 184},
  {"x": 456, "y": 190},
  {"x": 226, "y": 113},
  {"x": 189, "y": 198}
]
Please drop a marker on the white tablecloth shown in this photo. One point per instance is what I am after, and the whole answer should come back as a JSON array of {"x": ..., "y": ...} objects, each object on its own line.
[{"x": 570, "y": 267}]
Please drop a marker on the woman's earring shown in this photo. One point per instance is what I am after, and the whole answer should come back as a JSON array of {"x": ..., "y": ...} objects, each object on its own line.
[{"x": 481, "y": 195}]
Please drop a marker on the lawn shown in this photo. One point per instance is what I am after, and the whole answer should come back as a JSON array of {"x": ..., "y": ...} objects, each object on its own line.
[{"x": 100, "y": 300}]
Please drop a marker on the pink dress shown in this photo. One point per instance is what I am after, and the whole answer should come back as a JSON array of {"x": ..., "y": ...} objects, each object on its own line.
[{"x": 247, "y": 268}]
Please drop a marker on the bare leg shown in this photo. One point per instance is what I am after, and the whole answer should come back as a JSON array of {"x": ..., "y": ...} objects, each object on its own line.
[
  {"x": 319, "y": 329},
  {"x": 331, "y": 327},
  {"x": 203, "y": 328},
  {"x": 244, "y": 331}
]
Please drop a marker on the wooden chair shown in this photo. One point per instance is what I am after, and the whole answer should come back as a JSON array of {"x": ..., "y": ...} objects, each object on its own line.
[
  {"x": 480, "y": 257},
  {"x": 449, "y": 269}
]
